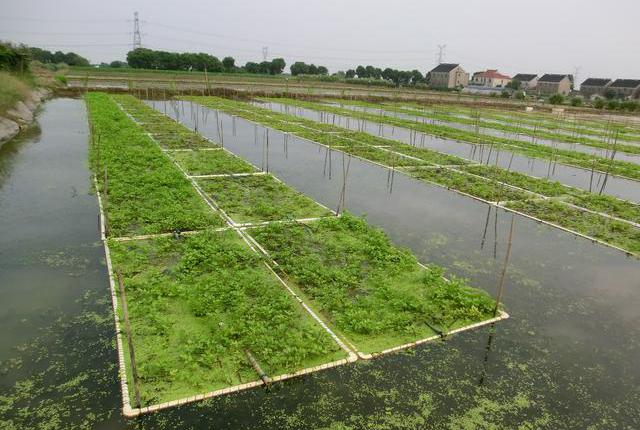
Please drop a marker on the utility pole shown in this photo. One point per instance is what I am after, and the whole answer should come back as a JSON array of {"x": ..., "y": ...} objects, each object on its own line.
[
  {"x": 137, "y": 40},
  {"x": 441, "y": 53},
  {"x": 265, "y": 53}
]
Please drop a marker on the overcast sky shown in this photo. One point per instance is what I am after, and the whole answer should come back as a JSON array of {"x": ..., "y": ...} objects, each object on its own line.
[{"x": 602, "y": 38}]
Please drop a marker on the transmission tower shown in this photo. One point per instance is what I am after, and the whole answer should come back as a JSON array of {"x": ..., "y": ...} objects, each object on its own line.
[
  {"x": 576, "y": 71},
  {"x": 265, "y": 53},
  {"x": 441, "y": 49},
  {"x": 137, "y": 40}
]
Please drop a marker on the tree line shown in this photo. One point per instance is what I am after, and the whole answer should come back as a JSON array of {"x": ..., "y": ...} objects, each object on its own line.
[
  {"x": 143, "y": 58},
  {"x": 48, "y": 57}
]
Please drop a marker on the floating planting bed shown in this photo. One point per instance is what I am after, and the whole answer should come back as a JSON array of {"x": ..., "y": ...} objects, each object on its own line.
[
  {"x": 508, "y": 127},
  {"x": 568, "y": 157},
  {"x": 375, "y": 294},
  {"x": 145, "y": 193},
  {"x": 260, "y": 198},
  {"x": 206, "y": 314},
  {"x": 211, "y": 163},
  {"x": 491, "y": 184},
  {"x": 198, "y": 304}
]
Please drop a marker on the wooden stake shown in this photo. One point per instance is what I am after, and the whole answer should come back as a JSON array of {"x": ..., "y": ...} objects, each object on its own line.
[
  {"x": 504, "y": 268},
  {"x": 127, "y": 326},
  {"x": 105, "y": 207},
  {"x": 254, "y": 363}
]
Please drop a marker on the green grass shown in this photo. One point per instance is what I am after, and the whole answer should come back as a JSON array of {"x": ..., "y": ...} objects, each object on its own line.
[
  {"x": 469, "y": 184},
  {"x": 259, "y": 198},
  {"x": 196, "y": 303},
  {"x": 147, "y": 193},
  {"x": 373, "y": 292},
  {"x": 211, "y": 162},
  {"x": 12, "y": 90}
]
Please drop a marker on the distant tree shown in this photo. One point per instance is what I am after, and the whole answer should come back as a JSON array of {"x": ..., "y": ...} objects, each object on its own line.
[
  {"x": 277, "y": 66},
  {"x": 361, "y": 72},
  {"x": 229, "y": 64},
  {"x": 299, "y": 68},
  {"x": 323, "y": 70},
  {"x": 118, "y": 64},
  {"x": 252, "y": 67},
  {"x": 416, "y": 77},
  {"x": 350, "y": 73},
  {"x": 556, "y": 99}
]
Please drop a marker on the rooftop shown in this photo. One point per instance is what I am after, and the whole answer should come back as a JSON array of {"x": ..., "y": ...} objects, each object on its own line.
[
  {"x": 445, "y": 67},
  {"x": 491, "y": 73},
  {"x": 524, "y": 77},
  {"x": 553, "y": 78},
  {"x": 626, "y": 83},
  {"x": 596, "y": 82}
]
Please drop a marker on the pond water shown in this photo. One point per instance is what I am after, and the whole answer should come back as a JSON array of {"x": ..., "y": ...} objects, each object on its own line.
[
  {"x": 568, "y": 175},
  {"x": 566, "y": 359}
]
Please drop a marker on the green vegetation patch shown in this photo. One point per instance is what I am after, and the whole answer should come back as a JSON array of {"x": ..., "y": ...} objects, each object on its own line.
[
  {"x": 469, "y": 184},
  {"x": 211, "y": 162},
  {"x": 373, "y": 292},
  {"x": 197, "y": 303},
  {"x": 260, "y": 198},
  {"x": 147, "y": 193},
  {"x": 617, "y": 233}
]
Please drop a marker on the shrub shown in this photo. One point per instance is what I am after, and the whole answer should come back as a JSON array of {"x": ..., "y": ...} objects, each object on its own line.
[
  {"x": 613, "y": 104},
  {"x": 556, "y": 99},
  {"x": 598, "y": 103},
  {"x": 520, "y": 95},
  {"x": 62, "y": 79},
  {"x": 576, "y": 101}
]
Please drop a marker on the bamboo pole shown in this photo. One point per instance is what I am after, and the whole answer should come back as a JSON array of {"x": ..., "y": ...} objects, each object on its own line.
[
  {"x": 105, "y": 190},
  {"x": 256, "y": 366},
  {"x": 504, "y": 268},
  {"x": 127, "y": 326}
]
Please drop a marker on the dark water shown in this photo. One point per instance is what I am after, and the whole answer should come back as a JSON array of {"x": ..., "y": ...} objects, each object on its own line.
[
  {"x": 568, "y": 175},
  {"x": 566, "y": 359}
]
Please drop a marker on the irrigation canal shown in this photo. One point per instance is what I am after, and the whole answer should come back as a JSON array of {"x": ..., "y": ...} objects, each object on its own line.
[{"x": 567, "y": 358}]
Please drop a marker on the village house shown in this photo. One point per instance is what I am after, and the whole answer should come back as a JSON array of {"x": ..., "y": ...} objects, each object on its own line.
[
  {"x": 626, "y": 88},
  {"x": 447, "y": 75},
  {"x": 527, "y": 81},
  {"x": 594, "y": 87},
  {"x": 551, "y": 84},
  {"x": 490, "y": 78}
]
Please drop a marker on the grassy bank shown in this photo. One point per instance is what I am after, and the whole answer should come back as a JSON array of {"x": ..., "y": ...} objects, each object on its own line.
[{"x": 13, "y": 88}]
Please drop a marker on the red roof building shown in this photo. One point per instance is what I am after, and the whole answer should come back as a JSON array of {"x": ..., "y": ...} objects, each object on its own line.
[{"x": 490, "y": 78}]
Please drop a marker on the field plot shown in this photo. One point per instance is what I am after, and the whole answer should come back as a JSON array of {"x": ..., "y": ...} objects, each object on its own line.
[
  {"x": 602, "y": 218},
  {"x": 211, "y": 163},
  {"x": 198, "y": 304},
  {"x": 209, "y": 315},
  {"x": 260, "y": 198},
  {"x": 146, "y": 194},
  {"x": 377, "y": 295}
]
